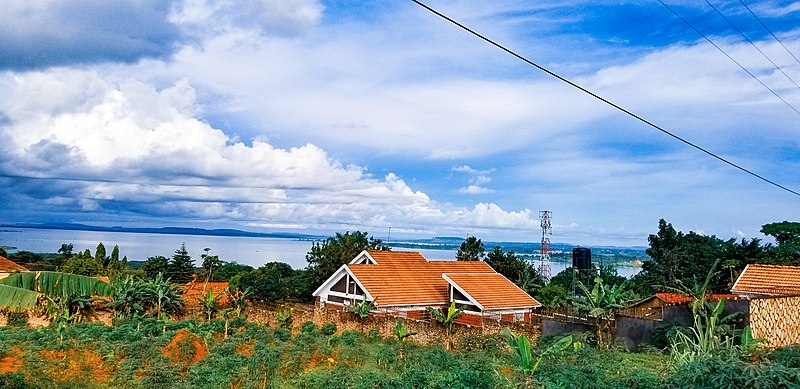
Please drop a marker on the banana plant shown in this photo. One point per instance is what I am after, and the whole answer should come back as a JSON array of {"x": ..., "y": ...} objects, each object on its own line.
[
  {"x": 522, "y": 346},
  {"x": 402, "y": 333},
  {"x": 447, "y": 320}
]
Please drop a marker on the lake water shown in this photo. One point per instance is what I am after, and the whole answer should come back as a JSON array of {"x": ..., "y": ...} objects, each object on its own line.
[{"x": 245, "y": 250}]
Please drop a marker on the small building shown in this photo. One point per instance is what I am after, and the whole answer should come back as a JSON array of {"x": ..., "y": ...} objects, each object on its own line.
[
  {"x": 768, "y": 281},
  {"x": 8, "y": 267},
  {"x": 406, "y": 283}
]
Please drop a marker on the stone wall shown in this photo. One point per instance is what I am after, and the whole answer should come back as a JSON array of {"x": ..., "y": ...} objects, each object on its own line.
[
  {"x": 428, "y": 332},
  {"x": 776, "y": 320}
]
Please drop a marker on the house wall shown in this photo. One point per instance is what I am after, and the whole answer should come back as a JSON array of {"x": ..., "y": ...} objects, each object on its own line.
[{"x": 776, "y": 320}]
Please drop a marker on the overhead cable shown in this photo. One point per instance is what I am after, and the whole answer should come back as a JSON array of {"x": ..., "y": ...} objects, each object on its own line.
[
  {"x": 753, "y": 76},
  {"x": 763, "y": 54},
  {"x": 770, "y": 31},
  {"x": 604, "y": 100}
]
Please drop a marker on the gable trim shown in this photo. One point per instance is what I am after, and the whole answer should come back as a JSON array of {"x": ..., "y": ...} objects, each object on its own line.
[
  {"x": 740, "y": 277},
  {"x": 343, "y": 270},
  {"x": 464, "y": 292},
  {"x": 361, "y": 256}
]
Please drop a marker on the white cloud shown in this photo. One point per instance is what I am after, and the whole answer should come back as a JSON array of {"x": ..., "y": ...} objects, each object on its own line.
[{"x": 134, "y": 147}]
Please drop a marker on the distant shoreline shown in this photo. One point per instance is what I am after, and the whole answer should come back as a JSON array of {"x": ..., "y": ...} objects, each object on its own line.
[{"x": 166, "y": 231}]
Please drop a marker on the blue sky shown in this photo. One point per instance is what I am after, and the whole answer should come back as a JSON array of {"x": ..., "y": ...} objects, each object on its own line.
[{"x": 324, "y": 116}]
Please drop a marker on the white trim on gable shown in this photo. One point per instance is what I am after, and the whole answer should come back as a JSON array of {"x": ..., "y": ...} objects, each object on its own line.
[
  {"x": 733, "y": 288},
  {"x": 325, "y": 289},
  {"x": 464, "y": 292},
  {"x": 363, "y": 258}
]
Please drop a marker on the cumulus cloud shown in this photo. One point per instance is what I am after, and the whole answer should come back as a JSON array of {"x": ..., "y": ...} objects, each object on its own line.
[
  {"x": 125, "y": 146},
  {"x": 477, "y": 178}
]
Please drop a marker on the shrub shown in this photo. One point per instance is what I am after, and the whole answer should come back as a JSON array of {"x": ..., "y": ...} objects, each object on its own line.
[{"x": 328, "y": 329}]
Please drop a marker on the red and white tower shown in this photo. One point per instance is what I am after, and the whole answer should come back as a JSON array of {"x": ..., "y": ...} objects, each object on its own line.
[{"x": 547, "y": 230}]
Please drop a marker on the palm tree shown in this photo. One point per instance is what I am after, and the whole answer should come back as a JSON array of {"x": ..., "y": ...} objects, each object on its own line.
[{"x": 447, "y": 320}]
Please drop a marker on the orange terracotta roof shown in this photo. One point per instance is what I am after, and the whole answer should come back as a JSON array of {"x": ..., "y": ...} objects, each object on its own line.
[
  {"x": 492, "y": 290},
  {"x": 396, "y": 257},
  {"x": 9, "y": 266},
  {"x": 408, "y": 278},
  {"x": 193, "y": 292},
  {"x": 677, "y": 298},
  {"x": 768, "y": 280}
]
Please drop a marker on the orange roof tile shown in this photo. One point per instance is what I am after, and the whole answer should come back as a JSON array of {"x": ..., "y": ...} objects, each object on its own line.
[
  {"x": 8, "y": 266},
  {"x": 492, "y": 290},
  {"x": 768, "y": 280},
  {"x": 408, "y": 278}
]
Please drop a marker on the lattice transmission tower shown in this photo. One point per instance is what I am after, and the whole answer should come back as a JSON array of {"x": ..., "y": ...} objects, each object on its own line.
[{"x": 547, "y": 230}]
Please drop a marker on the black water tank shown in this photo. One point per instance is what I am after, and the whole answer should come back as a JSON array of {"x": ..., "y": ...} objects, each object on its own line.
[{"x": 582, "y": 258}]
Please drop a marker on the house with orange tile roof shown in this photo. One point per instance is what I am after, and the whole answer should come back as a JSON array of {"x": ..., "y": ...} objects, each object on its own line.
[
  {"x": 8, "y": 267},
  {"x": 768, "y": 280},
  {"x": 407, "y": 283}
]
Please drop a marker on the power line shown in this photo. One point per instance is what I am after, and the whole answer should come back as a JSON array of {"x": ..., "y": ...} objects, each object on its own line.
[
  {"x": 770, "y": 31},
  {"x": 753, "y": 76},
  {"x": 751, "y": 43},
  {"x": 604, "y": 100}
]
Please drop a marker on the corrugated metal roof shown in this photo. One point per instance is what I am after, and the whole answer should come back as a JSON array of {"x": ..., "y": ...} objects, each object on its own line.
[{"x": 768, "y": 280}]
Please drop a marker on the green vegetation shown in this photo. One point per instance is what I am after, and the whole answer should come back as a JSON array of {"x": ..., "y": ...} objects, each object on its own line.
[
  {"x": 471, "y": 250},
  {"x": 193, "y": 354}
]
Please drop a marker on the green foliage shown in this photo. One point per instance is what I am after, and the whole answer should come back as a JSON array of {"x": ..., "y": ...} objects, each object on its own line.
[
  {"x": 328, "y": 329},
  {"x": 82, "y": 266},
  {"x": 447, "y": 319},
  {"x": 273, "y": 282},
  {"x": 677, "y": 258},
  {"x": 209, "y": 304},
  {"x": 553, "y": 296},
  {"x": 506, "y": 263},
  {"x": 227, "y": 270},
  {"x": 787, "y": 236},
  {"x": 155, "y": 265},
  {"x": 602, "y": 303},
  {"x": 181, "y": 266},
  {"x": 326, "y": 257},
  {"x": 471, "y": 249},
  {"x": 284, "y": 316},
  {"x": 361, "y": 309},
  {"x": 522, "y": 347}
]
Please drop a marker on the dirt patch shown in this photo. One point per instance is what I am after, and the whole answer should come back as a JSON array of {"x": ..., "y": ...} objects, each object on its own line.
[
  {"x": 185, "y": 348},
  {"x": 11, "y": 363},
  {"x": 73, "y": 363},
  {"x": 246, "y": 349}
]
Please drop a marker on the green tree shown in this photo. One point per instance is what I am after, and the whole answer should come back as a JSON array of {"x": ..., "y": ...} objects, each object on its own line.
[
  {"x": 471, "y": 250},
  {"x": 64, "y": 253},
  {"x": 100, "y": 255},
  {"x": 82, "y": 266},
  {"x": 677, "y": 258},
  {"x": 787, "y": 237},
  {"x": 326, "y": 257},
  {"x": 210, "y": 264},
  {"x": 181, "y": 266},
  {"x": 271, "y": 282},
  {"x": 155, "y": 265},
  {"x": 227, "y": 270},
  {"x": 506, "y": 263}
]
